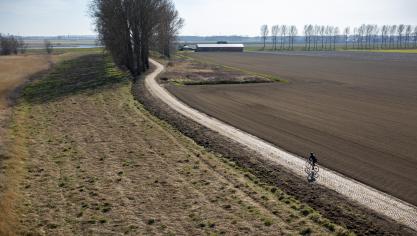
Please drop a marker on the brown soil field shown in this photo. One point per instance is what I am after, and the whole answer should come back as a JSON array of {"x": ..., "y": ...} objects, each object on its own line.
[
  {"x": 93, "y": 161},
  {"x": 359, "y": 116}
]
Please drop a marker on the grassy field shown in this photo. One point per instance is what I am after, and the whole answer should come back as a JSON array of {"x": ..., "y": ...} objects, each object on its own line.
[
  {"x": 184, "y": 70},
  {"x": 14, "y": 69},
  {"x": 217, "y": 73},
  {"x": 254, "y": 47},
  {"x": 39, "y": 43},
  {"x": 88, "y": 159},
  {"x": 388, "y": 50}
]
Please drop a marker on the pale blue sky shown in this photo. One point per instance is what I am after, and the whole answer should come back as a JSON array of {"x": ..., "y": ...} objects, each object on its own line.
[{"x": 210, "y": 17}]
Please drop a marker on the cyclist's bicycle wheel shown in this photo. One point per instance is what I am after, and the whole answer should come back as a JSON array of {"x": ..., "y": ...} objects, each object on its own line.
[
  {"x": 316, "y": 169},
  {"x": 307, "y": 167},
  {"x": 312, "y": 172}
]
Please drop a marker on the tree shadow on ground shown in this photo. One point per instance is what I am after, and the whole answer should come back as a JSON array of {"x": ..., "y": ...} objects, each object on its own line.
[{"x": 86, "y": 74}]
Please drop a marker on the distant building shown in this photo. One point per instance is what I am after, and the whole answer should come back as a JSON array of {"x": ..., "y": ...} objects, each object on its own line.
[
  {"x": 187, "y": 48},
  {"x": 220, "y": 48}
]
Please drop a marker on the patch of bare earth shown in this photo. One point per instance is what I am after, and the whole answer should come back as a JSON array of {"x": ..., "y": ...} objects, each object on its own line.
[
  {"x": 98, "y": 163},
  {"x": 188, "y": 71}
]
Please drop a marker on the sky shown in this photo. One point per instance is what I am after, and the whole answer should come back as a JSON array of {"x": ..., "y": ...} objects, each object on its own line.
[{"x": 210, "y": 17}]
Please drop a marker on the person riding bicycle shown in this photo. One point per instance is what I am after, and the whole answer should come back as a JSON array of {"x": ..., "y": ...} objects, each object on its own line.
[{"x": 312, "y": 159}]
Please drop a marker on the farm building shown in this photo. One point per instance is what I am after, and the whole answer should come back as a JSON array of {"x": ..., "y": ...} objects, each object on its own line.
[{"x": 220, "y": 48}]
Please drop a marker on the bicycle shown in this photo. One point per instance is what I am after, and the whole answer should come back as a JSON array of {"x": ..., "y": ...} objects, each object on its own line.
[{"x": 312, "y": 171}]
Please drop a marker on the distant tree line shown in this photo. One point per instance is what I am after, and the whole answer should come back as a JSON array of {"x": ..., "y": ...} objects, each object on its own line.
[
  {"x": 283, "y": 36},
  {"x": 10, "y": 44},
  {"x": 321, "y": 37},
  {"x": 129, "y": 29},
  {"x": 384, "y": 37}
]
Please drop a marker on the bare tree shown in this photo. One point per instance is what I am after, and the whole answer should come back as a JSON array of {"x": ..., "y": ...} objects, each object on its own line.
[
  {"x": 355, "y": 37},
  {"x": 400, "y": 30},
  {"x": 384, "y": 35},
  {"x": 392, "y": 31},
  {"x": 305, "y": 31},
  {"x": 22, "y": 45},
  {"x": 335, "y": 32},
  {"x": 375, "y": 32},
  {"x": 408, "y": 31},
  {"x": 169, "y": 25},
  {"x": 366, "y": 36},
  {"x": 48, "y": 46},
  {"x": 329, "y": 33},
  {"x": 8, "y": 44},
  {"x": 361, "y": 34},
  {"x": 129, "y": 28},
  {"x": 315, "y": 33},
  {"x": 308, "y": 34},
  {"x": 274, "y": 32},
  {"x": 283, "y": 32},
  {"x": 115, "y": 33},
  {"x": 415, "y": 36},
  {"x": 264, "y": 34},
  {"x": 293, "y": 33},
  {"x": 322, "y": 35},
  {"x": 346, "y": 33}
]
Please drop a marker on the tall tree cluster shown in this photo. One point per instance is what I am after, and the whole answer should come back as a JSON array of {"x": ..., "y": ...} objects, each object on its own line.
[
  {"x": 264, "y": 34},
  {"x": 321, "y": 37},
  {"x": 10, "y": 44},
  {"x": 326, "y": 37},
  {"x": 384, "y": 37},
  {"x": 283, "y": 36},
  {"x": 129, "y": 29}
]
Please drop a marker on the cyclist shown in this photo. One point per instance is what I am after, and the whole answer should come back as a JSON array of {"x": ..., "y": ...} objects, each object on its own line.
[{"x": 312, "y": 159}]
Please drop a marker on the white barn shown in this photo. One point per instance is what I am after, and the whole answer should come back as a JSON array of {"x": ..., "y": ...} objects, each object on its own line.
[{"x": 220, "y": 48}]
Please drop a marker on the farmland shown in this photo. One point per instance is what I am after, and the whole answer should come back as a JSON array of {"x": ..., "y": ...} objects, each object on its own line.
[
  {"x": 86, "y": 158},
  {"x": 355, "y": 111}
]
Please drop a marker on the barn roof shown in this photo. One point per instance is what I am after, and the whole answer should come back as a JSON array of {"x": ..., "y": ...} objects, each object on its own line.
[{"x": 220, "y": 45}]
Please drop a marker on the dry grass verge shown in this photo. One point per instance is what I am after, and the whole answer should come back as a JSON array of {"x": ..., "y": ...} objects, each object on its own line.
[
  {"x": 99, "y": 163},
  {"x": 14, "y": 71}
]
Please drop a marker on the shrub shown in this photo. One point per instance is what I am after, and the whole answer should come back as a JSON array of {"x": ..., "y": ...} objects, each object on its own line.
[{"x": 306, "y": 231}]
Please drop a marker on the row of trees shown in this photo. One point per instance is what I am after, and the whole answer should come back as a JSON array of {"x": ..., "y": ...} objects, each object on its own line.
[
  {"x": 10, "y": 44},
  {"x": 321, "y": 37},
  {"x": 386, "y": 36},
  {"x": 283, "y": 36},
  {"x": 130, "y": 28}
]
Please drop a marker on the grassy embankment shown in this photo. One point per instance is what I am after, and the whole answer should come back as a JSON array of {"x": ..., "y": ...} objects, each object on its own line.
[
  {"x": 89, "y": 159},
  {"x": 14, "y": 71}
]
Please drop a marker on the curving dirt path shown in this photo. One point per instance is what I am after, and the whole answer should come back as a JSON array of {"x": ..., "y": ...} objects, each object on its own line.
[{"x": 378, "y": 201}]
